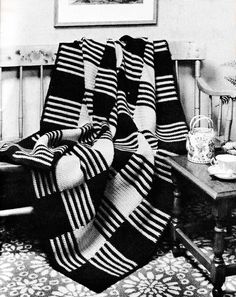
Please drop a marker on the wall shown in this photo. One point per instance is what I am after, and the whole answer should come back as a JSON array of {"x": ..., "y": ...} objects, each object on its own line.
[
  {"x": 31, "y": 22},
  {"x": 210, "y": 21}
]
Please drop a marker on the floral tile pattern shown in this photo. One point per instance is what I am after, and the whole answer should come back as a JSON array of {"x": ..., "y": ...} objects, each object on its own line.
[{"x": 25, "y": 272}]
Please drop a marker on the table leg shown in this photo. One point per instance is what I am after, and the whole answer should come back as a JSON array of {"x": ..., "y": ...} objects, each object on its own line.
[
  {"x": 176, "y": 222},
  {"x": 2, "y": 238},
  {"x": 218, "y": 269},
  {"x": 229, "y": 221}
]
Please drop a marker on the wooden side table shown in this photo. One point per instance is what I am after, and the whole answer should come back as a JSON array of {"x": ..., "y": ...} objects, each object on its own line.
[{"x": 221, "y": 194}]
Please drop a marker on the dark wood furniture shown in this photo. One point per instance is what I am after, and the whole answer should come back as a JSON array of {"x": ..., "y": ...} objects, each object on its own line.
[{"x": 221, "y": 194}]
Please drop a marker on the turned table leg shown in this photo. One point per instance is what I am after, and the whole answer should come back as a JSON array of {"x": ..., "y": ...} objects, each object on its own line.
[
  {"x": 2, "y": 237},
  {"x": 176, "y": 222},
  {"x": 218, "y": 269}
]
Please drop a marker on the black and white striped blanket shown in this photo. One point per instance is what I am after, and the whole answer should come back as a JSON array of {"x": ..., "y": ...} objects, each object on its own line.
[{"x": 111, "y": 116}]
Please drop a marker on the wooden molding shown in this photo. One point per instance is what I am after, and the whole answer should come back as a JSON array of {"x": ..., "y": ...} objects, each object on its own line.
[
  {"x": 33, "y": 55},
  {"x": 28, "y": 55}
]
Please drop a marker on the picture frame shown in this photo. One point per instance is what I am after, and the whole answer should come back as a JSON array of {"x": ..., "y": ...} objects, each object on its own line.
[{"x": 79, "y": 13}]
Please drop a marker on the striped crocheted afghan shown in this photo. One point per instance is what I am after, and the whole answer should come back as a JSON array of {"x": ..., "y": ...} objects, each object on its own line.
[{"x": 111, "y": 116}]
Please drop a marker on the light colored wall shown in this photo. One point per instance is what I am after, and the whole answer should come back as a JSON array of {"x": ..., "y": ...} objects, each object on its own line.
[
  {"x": 210, "y": 21},
  {"x": 31, "y": 22}
]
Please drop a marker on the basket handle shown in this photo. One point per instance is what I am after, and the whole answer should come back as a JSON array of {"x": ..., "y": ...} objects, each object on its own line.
[
  {"x": 208, "y": 119},
  {"x": 197, "y": 119},
  {"x": 194, "y": 119}
]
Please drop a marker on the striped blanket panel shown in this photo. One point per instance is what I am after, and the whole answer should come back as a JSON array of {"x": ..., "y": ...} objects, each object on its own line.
[
  {"x": 171, "y": 133},
  {"x": 112, "y": 115}
]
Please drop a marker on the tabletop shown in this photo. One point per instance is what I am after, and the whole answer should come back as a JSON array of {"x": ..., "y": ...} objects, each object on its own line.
[{"x": 198, "y": 174}]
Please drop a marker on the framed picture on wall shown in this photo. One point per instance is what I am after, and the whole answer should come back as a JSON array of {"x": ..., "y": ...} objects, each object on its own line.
[{"x": 73, "y": 13}]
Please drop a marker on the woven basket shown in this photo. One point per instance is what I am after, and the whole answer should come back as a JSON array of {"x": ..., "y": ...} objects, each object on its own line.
[{"x": 200, "y": 141}]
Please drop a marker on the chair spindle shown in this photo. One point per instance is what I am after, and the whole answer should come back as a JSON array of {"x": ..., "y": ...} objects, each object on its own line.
[{"x": 21, "y": 103}]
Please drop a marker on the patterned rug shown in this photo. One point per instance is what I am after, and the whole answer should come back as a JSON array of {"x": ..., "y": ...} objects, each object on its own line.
[{"x": 24, "y": 270}]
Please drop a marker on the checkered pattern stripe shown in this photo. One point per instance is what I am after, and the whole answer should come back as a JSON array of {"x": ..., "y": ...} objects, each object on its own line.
[
  {"x": 169, "y": 129},
  {"x": 61, "y": 107}
]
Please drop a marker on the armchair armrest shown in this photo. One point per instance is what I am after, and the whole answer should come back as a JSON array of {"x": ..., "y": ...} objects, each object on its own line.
[
  {"x": 205, "y": 88},
  {"x": 231, "y": 94}
]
